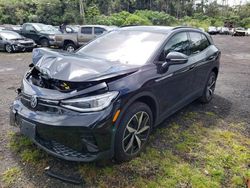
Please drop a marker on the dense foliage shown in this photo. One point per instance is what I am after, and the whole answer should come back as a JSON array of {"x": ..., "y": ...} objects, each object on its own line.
[{"x": 123, "y": 12}]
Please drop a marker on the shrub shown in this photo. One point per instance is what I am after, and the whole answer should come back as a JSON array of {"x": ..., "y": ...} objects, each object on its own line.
[{"x": 136, "y": 20}]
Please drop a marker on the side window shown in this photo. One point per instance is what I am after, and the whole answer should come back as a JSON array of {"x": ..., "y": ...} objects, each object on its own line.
[
  {"x": 99, "y": 30},
  {"x": 195, "y": 42},
  {"x": 86, "y": 30},
  {"x": 198, "y": 43},
  {"x": 178, "y": 43},
  {"x": 29, "y": 28},
  {"x": 204, "y": 42}
]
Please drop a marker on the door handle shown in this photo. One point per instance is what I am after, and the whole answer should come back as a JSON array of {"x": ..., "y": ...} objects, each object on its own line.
[{"x": 192, "y": 67}]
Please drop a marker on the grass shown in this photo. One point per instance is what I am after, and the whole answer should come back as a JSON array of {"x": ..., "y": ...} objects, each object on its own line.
[
  {"x": 26, "y": 149},
  {"x": 10, "y": 176},
  {"x": 195, "y": 150}
]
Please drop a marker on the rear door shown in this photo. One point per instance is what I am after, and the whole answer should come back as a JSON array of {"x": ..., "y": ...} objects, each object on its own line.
[
  {"x": 86, "y": 34},
  {"x": 204, "y": 56}
]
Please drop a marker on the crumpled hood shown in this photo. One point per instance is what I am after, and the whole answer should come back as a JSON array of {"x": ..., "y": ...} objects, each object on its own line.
[{"x": 76, "y": 68}]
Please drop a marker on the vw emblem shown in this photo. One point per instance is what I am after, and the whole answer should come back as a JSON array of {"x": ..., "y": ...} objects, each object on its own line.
[{"x": 33, "y": 101}]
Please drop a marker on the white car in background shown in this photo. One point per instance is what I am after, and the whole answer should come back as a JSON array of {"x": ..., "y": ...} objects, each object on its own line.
[
  {"x": 248, "y": 31},
  {"x": 212, "y": 30}
]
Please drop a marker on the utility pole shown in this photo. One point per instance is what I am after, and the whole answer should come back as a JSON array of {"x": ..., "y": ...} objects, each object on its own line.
[{"x": 82, "y": 13}]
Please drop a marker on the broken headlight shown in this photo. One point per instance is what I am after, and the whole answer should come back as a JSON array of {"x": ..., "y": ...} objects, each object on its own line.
[{"x": 90, "y": 104}]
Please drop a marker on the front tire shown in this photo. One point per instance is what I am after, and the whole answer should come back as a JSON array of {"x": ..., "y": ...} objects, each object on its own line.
[
  {"x": 8, "y": 48},
  {"x": 208, "y": 92},
  {"x": 133, "y": 132},
  {"x": 44, "y": 42}
]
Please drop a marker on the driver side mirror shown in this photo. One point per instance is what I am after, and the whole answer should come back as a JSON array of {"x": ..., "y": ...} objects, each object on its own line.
[{"x": 174, "y": 58}]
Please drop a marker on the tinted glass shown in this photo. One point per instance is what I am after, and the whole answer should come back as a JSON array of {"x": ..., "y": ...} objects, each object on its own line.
[
  {"x": 178, "y": 43},
  {"x": 195, "y": 43},
  {"x": 204, "y": 42},
  {"x": 198, "y": 43},
  {"x": 124, "y": 46},
  {"x": 98, "y": 30},
  {"x": 86, "y": 30}
]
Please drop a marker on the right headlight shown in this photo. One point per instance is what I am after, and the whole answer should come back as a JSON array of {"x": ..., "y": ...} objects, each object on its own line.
[{"x": 90, "y": 104}]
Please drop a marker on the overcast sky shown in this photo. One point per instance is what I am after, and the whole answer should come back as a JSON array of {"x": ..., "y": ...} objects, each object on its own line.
[{"x": 235, "y": 2}]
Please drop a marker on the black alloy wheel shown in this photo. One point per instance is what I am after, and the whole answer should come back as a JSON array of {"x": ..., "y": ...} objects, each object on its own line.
[
  {"x": 209, "y": 89},
  {"x": 133, "y": 132}
]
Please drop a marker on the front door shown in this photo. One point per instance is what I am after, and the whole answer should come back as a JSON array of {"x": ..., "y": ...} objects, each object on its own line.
[{"x": 175, "y": 86}]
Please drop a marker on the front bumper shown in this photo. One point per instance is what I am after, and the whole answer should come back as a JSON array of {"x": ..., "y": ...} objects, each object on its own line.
[
  {"x": 63, "y": 133},
  {"x": 23, "y": 47}
]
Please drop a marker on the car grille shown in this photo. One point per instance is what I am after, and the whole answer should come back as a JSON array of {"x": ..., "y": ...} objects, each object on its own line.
[
  {"x": 27, "y": 44},
  {"x": 41, "y": 105},
  {"x": 77, "y": 138},
  {"x": 61, "y": 149}
]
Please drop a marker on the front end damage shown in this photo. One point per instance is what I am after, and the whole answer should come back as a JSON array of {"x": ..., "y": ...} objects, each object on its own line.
[{"x": 68, "y": 133}]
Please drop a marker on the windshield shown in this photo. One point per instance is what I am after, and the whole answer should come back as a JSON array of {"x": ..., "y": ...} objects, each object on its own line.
[
  {"x": 43, "y": 27},
  {"x": 128, "y": 47},
  {"x": 10, "y": 35}
]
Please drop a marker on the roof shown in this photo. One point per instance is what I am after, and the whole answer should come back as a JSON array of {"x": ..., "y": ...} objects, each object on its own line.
[
  {"x": 103, "y": 26},
  {"x": 158, "y": 29}
]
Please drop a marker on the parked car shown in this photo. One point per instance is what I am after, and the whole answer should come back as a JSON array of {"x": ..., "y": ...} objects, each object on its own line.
[
  {"x": 11, "y": 41},
  {"x": 104, "y": 100},
  {"x": 224, "y": 31},
  {"x": 42, "y": 34},
  {"x": 212, "y": 30},
  {"x": 70, "y": 42},
  {"x": 239, "y": 31},
  {"x": 10, "y": 27},
  {"x": 248, "y": 31}
]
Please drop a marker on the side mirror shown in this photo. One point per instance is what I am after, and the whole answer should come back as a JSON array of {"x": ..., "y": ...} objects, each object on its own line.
[{"x": 174, "y": 58}]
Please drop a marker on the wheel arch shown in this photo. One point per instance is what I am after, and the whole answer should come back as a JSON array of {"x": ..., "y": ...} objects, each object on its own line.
[
  {"x": 216, "y": 71},
  {"x": 43, "y": 37},
  {"x": 145, "y": 97},
  {"x": 67, "y": 41}
]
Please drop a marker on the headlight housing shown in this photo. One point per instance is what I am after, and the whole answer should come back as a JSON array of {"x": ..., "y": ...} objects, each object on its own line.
[
  {"x": 52, "y": 37},
  {"x": 90, "y": 104}
]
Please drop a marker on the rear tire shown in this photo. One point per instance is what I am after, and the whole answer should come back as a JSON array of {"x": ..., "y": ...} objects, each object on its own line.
[
  {"x": 8, "y": 48},
  {"x": 133, "y": 132},
  {"x": 208, "y": 92},
  {"x": 70, "y": 47}
]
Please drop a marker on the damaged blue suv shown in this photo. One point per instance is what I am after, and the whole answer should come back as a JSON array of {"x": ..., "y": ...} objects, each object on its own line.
[{"x": 103, "y": 100}]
